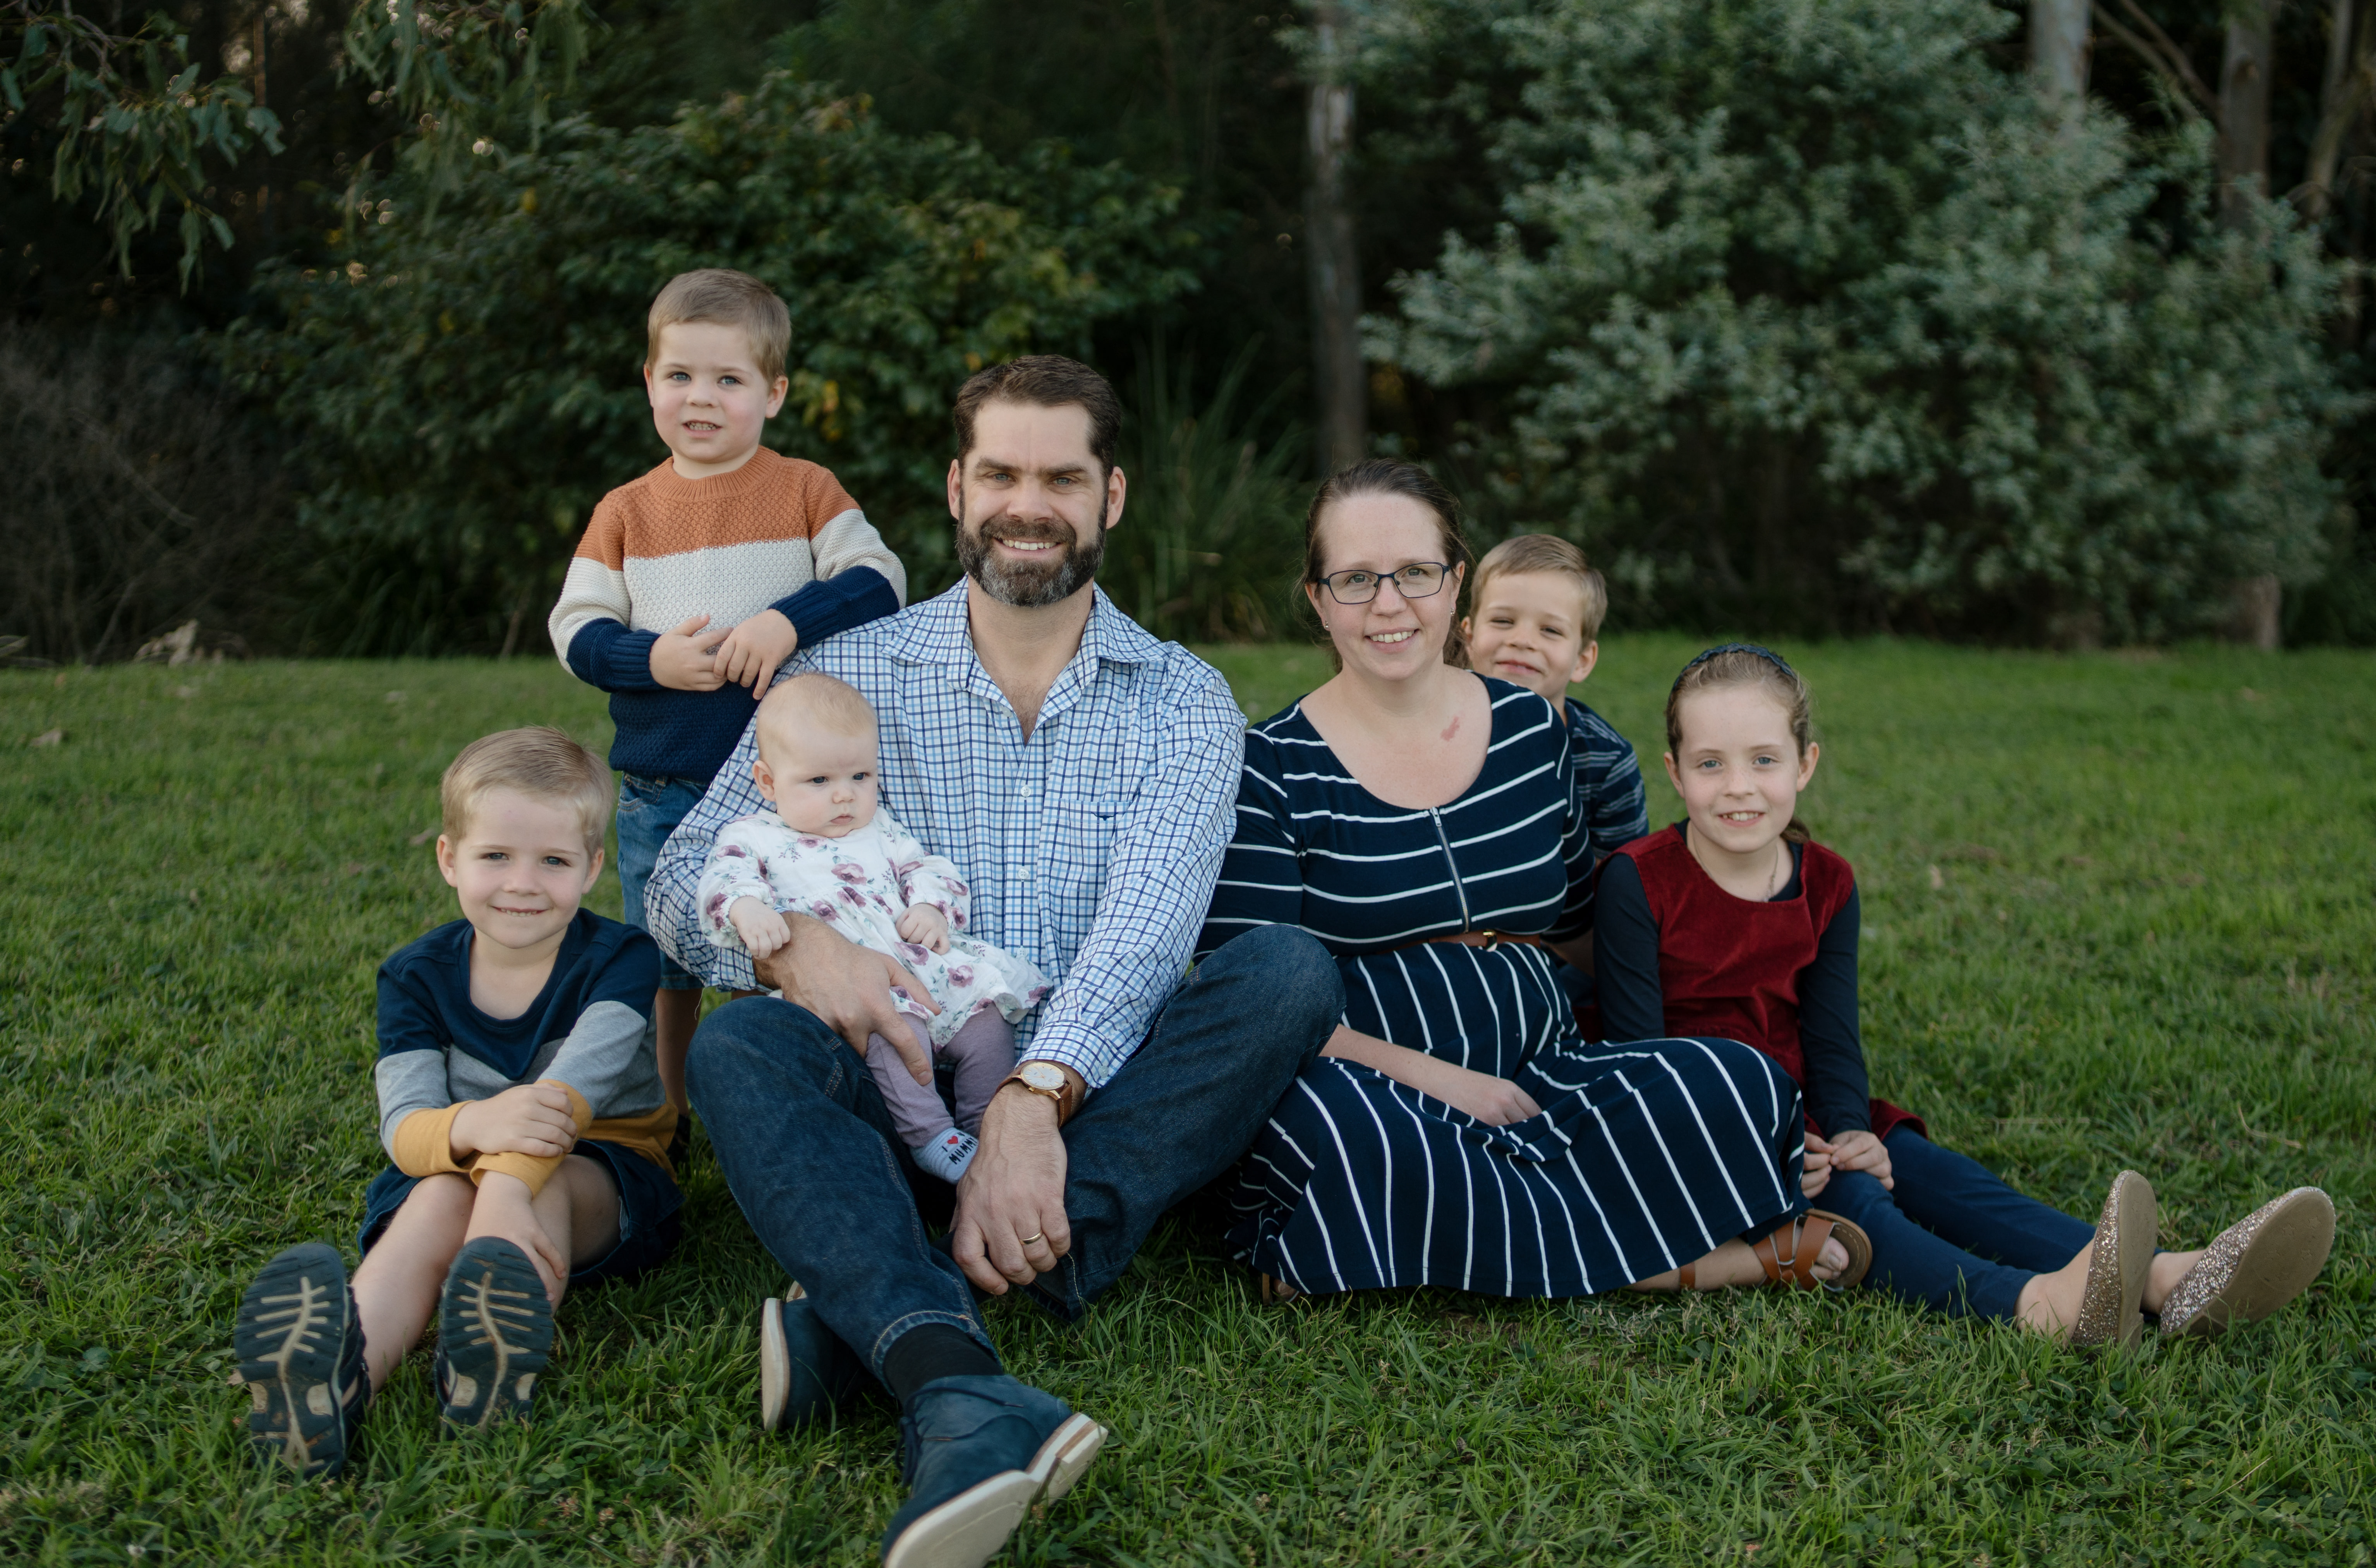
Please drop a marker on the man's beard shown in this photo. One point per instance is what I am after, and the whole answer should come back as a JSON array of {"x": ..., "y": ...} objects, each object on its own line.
[{"x": 1029, "y": 585}]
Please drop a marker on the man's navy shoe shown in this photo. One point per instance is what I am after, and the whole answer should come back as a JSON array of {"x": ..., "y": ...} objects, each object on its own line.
[
  {"x": 980, "y": 1452},
  {"x": 494, "y": 1333},
  {"x": 805, "y": 1372},
  {"x": 301, "y": 1355}
]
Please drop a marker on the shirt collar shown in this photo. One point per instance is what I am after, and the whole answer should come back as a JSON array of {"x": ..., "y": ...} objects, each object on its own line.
[{"x": 935, "y": 633}]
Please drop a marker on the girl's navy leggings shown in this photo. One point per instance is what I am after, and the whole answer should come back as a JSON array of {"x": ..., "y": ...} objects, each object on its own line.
[{"x": 1952, "y": 1236}]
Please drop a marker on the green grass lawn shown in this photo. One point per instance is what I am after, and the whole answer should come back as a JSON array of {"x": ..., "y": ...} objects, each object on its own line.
[{"x": 2120, "y": 913}]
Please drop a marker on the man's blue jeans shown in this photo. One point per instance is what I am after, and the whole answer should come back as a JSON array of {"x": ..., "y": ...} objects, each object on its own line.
[
  {"x": 1952, "y": 1236},
  {"x": 809, "y": 1149}
]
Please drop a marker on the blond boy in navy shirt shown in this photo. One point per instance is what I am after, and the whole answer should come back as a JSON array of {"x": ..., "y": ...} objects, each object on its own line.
[{"x": 521, "y": 1107}]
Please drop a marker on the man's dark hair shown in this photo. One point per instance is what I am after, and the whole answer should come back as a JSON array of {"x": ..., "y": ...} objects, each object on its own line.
[{"x": 1047, "y": 381}]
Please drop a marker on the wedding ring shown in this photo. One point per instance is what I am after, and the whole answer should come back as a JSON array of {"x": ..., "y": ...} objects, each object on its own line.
[{"x": 1033, "y": 1237}]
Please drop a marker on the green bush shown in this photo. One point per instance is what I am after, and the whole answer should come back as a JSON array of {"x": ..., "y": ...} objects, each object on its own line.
[
  {"x": 1211, "y": 543},
  {"x": 464, "y": 384},
  {"x": 1807, "y": 314}
]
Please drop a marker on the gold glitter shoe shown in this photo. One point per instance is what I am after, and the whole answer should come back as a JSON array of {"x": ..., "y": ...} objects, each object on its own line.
[
  {"x": 2118, "y": 1265},
  {"x": 2255, "y": 1265}
]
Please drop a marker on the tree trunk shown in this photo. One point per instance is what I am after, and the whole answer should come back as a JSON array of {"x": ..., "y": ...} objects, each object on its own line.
[
  {"x": 2059, "y": 50},
  {"x": 2255, "y": 619},
  {"x": 2341, "y": 95},
  {"x": 2244, "y": 109},
  {"x": 2244, "y": 175},
  {"x": 1331, "y": 262}
]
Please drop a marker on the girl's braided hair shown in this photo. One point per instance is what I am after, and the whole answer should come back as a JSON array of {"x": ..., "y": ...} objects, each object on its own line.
[{"x": 1747, "y": 664}]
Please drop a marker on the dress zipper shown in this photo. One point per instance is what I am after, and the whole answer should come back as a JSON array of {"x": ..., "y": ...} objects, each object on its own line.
[{"x": 1436, "y": 818}]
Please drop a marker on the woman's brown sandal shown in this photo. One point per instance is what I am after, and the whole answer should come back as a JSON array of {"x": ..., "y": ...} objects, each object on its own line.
[
  {"x": 1278, "y": 1292},
  {"x": 1796, "y": 1269}
]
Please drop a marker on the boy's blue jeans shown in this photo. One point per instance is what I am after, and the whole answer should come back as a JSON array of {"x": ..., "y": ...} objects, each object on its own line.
[
  {"x": 1952, "y": 1236},
  {"x": 649, "y": 809},
  {"x": 809, "y": 1150}
]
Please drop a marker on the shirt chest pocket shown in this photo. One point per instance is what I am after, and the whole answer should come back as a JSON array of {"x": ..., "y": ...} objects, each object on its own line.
[{"x": 1086, "y": 827}]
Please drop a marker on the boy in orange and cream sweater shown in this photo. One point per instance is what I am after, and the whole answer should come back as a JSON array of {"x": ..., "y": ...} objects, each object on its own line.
[{"x": 696, "y": 582}]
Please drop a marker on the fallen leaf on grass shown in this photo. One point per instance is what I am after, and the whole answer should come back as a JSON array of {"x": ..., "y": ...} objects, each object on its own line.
[
  {"x": 423, "y": 837},
  {"x": 48, "y": 738}
]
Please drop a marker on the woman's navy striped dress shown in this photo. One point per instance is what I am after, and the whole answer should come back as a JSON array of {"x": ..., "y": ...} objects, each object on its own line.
[{"x": 1645, "y": 1156}]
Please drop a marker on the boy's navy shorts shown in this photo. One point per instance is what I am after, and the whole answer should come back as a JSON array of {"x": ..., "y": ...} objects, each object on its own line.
[{"x": 649, "y": 1200}]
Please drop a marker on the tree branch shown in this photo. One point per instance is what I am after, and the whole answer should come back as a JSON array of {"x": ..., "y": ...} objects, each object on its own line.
[
  {"x": 2350, "y": 84},
  {"x": 2167, "y": 59}
]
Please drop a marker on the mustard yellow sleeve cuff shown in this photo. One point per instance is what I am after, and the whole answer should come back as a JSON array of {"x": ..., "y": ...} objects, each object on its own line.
[
  {"x": 424, "y": 1144},
  {"x": 535, "y": 1171}
]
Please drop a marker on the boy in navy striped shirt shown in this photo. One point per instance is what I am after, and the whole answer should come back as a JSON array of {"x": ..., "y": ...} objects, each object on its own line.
[
  {"x": 1536, "y": 609},
  {"x": 521, "y": 1107}
]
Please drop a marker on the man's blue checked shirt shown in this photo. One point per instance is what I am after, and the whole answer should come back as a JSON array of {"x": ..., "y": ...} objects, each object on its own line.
[{"x": 1091, "y": 847}]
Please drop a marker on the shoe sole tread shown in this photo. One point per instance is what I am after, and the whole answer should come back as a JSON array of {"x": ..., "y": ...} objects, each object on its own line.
[
  {"x": 290, "y": 1339},
  {"x": 494, "y": 1325}
]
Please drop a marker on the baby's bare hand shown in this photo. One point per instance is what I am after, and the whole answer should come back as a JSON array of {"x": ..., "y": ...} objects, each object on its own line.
[
  {"x": 925, "y": 926},
  {"x": 762, "y": 930},
  {"x": 532, "y": 1119}
]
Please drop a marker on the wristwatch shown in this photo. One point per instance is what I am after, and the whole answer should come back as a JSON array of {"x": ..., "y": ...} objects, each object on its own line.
[{"x": 1045, "y": 1077}]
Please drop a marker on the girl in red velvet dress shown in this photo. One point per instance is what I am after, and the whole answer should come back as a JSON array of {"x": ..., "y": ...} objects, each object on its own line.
[{"x": 1734, "y": 922}]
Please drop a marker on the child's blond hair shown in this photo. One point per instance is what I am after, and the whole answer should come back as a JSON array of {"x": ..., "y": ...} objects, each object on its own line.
[
  {"x": 726, "y": 298},
  {"x": 1531, "y": 553},
  {"x": 540, "y": 762}
]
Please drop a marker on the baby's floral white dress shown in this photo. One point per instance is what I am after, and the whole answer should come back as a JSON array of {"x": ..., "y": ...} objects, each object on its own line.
[{"x": 859, "y": 883}]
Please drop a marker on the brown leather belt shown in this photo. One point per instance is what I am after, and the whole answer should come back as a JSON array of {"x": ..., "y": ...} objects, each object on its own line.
[{"x": 1488, "y": 940}]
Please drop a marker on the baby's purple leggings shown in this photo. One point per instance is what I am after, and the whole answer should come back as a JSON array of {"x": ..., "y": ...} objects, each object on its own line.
[{"x": 983, "y": 1055}]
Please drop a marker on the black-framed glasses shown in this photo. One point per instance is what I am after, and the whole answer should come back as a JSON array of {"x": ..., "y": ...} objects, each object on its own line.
[{"x": 1420, "y": 579}]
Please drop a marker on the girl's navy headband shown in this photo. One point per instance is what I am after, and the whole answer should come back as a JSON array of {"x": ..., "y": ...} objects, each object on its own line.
[{"x": 1766, "y": 654}]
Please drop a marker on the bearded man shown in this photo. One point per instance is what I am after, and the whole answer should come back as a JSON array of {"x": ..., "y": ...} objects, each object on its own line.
[{"x": 1082, "y": 776}]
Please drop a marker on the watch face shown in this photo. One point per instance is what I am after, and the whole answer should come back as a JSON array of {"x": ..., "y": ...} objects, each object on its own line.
[{"x": 1043, "y": 1076}]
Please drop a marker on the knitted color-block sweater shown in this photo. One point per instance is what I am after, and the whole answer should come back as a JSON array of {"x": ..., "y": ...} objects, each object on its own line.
[{"x": 777, "y": 533}]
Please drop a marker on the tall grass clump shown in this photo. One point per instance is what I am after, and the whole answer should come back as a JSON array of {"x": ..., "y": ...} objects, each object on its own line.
[{"x": 1211, "y": 540}]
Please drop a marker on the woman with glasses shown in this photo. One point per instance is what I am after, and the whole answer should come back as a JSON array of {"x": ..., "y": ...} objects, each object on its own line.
[{"x": 1457, "y": 1130}]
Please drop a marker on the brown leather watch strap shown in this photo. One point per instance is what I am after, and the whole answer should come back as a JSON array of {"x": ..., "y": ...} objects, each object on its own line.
[{"x": 1062, "y": 1097}]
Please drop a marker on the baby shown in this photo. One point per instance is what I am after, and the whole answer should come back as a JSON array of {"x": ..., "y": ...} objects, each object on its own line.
[{"x": 827, "y": 850}]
